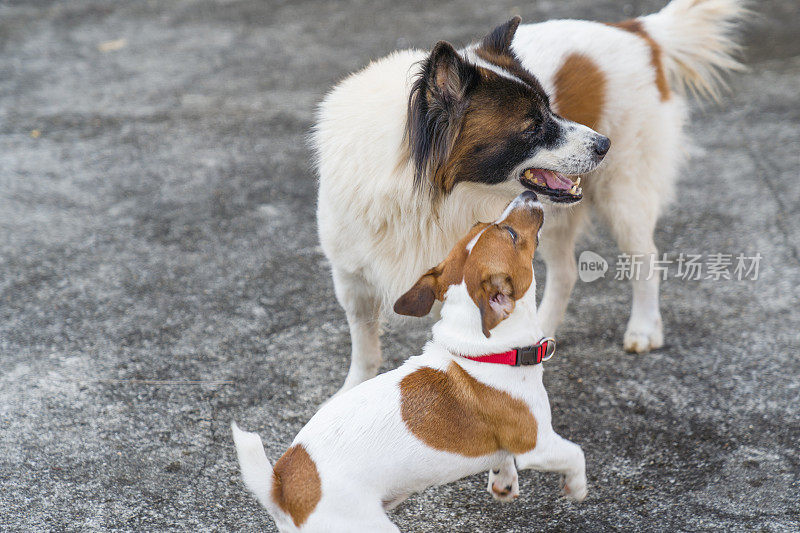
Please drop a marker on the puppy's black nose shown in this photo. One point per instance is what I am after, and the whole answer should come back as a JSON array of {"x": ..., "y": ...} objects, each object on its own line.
[{"x": 602, "y": 145}]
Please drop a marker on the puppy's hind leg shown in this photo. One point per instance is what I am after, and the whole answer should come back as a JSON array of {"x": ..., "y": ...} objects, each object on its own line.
[
  {"x": 355, "y": 518},
  {"x": 362, "y": 306},
  {"x": 559, "y": 232}
]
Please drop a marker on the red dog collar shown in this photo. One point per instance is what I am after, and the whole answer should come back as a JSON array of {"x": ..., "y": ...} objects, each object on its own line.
[{"x": 529, "y": 355}]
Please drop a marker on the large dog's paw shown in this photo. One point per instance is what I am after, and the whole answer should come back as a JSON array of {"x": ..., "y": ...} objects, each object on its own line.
[
  {"x": 504, "y": 483},
  {"x": 573, "y": 487},
  {"x": 643, "y": 335}
]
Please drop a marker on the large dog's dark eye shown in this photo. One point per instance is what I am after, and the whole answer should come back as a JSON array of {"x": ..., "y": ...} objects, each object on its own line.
[
  {"x": 479, "y": 149},
  {"x": 511, "y": 232},
  {"x": 534, "y": 129}
]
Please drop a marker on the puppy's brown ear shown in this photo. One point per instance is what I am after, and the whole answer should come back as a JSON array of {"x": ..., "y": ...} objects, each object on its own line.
[
  {"x": 418, "y": 300},
  {"x": 495, "y": 301}
]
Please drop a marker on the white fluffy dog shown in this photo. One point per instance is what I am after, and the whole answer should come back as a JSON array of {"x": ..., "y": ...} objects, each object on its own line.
[{"x": 418, "y": 146}]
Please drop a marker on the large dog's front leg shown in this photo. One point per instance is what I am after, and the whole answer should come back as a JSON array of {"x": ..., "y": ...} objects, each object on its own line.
[
  {"x": 362, "y": 307},
  {"x": 558, "y": 250}
]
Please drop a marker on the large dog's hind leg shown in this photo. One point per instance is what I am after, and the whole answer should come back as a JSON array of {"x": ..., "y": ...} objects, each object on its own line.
[
  {"x": 362, "y": 307},
  {"x": 632, "y": 222},
  {"x": 559, "y": 232}
]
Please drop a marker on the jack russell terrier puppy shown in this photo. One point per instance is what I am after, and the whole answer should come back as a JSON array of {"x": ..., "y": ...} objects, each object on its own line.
[{"x": 474, "y": 400}]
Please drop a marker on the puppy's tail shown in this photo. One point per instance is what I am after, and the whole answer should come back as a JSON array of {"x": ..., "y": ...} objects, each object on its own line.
[
  {"x": 256, "y": 470},
  {"x": 698, "y": 42}
]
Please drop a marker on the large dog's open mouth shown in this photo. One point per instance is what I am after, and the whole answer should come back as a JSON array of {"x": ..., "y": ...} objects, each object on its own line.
[{"x": 554, "y": 185}]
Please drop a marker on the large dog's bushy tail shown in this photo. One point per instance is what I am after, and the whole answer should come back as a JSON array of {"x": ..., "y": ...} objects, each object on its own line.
[{"x": 698, "y": 41}]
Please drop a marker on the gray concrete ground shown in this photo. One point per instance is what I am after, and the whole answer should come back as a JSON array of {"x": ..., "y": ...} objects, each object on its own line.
[{"x": 160, "y": 276}]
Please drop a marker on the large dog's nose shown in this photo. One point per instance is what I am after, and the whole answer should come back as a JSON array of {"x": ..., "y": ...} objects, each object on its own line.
[{"x": 601, "y": 145}]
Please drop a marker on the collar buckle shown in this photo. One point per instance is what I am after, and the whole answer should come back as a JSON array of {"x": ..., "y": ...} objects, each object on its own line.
[{"x": 538, "y": 353}]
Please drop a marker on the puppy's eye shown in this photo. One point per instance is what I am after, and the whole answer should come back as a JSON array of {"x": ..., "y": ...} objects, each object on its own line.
[{"x": 511, "y": 232}]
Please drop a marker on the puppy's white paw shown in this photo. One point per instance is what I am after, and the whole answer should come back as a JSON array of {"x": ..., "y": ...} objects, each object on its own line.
[
  {"x": 573, "y": 487},
  {"x": 504, "y": 483},
  {"x": 642, "y": 336}
]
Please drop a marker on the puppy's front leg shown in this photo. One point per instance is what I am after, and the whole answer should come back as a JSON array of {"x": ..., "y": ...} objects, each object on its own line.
[
  {"x": 554, "y": 453},
  {"x": 504, "y": 481}
]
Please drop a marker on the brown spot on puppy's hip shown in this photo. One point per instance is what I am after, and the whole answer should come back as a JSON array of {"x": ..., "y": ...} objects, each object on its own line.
[
  {"x": 453, "y": 412},
  {"x": 636, "y": 27},
  {"x": 580, "y": 90},
  {"x": 296, "y": 486}
]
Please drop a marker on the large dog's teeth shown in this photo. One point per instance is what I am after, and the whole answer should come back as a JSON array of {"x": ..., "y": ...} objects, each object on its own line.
[
  {"x": 528, "y": 173},
  {"x": 573, "y": 189},
  {"x": 580, "y": 191},
  {"x": 578, "y": 181}
]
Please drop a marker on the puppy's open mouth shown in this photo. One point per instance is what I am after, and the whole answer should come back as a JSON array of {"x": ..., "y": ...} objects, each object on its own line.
[{"x": 554, "y": 185}]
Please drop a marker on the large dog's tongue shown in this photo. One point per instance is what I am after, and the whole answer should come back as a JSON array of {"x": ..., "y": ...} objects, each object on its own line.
[{"x": 554, "y": 180}]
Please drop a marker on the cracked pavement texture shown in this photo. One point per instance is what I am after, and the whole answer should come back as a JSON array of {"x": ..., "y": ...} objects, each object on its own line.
[{"x": 160, "y": 276}]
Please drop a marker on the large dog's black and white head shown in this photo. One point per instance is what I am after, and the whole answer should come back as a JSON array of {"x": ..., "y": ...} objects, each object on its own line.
[{"x": 479, "y": 116}]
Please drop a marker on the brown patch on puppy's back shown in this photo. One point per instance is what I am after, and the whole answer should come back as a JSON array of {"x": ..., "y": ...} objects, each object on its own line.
[
  {"x": 453, "y": 412},
  {"x": 580, "y": 90},
  {"x": 296, "y": 486},
  {"x": 636, "y": 27}
]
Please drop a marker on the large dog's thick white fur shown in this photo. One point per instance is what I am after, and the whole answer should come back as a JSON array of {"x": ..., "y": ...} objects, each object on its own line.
[{"x": 380, "y": 234}]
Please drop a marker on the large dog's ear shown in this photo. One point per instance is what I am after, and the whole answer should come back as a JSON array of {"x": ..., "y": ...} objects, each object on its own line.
[
  {"x": 499, "y": 40},
  {"x": 448, "y": 75},
  {"x": 418, "y": 300},
  {"x": 495, "y": 300},
  {"x": 436, "y": 104}
]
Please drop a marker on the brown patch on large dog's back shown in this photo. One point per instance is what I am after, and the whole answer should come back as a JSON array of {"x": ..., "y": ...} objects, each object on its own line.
[
  {"x": 453, "y": 412},
  {"x": 636, "y": 27},
  {"x": 296, "y": 486},
  {"x": 580, "y": 90}
]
